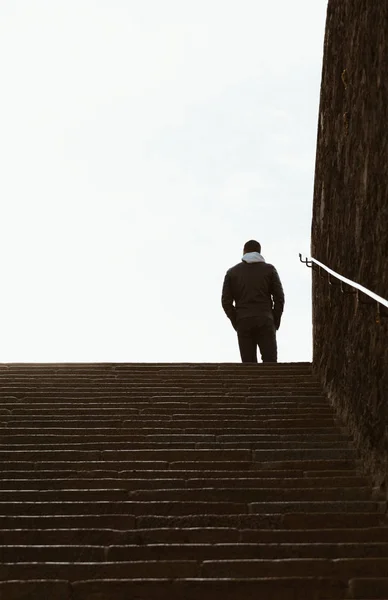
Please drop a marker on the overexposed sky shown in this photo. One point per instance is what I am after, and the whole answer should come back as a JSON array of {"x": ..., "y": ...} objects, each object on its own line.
[{"x": 142, "y": 142}]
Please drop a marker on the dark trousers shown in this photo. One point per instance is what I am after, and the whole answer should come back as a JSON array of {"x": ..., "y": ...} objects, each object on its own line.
[{"x": 257, "y": 331}]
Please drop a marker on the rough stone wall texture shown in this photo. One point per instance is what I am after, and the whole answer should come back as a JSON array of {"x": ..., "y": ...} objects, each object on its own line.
[{"x": 350, "y": 221}]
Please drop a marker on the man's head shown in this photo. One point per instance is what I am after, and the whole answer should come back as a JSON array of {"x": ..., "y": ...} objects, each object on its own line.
[{"x": 252, "y": 246}]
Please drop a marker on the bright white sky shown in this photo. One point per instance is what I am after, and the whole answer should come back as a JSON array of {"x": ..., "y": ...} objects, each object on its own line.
[{"x": 142, "y": 143}]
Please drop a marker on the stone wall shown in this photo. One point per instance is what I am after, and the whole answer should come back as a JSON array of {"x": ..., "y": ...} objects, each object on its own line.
[{"x": 350, "y": 221}]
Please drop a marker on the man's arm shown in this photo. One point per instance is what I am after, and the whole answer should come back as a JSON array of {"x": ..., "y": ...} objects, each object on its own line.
[
  {"x": 227, "y": 300},
  {"x": 277, "y": 297}
]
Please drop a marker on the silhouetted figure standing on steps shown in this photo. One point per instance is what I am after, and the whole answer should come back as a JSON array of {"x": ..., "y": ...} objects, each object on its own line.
[{"x": 253, "y": 299}]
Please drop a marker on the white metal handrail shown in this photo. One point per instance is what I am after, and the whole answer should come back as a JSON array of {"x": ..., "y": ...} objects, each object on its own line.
[{"x": 357, "y": 286}]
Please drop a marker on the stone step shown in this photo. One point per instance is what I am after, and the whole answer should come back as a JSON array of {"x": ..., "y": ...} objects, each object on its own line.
[
  {"x": 290, "y": 521},
  {"x": 111, "y": 398},
  {"x": 247, "y": 375},
  {"x": 155, "y": 366},
  {"x": 177, "y": 378},
  {"x": 165, "y": 414},
  {"x": 132, "y": 465},
  {"x": 193, "y": 535},
  {"x": 63, "y": 369},
  {"x": 123, "y": 467},
  {"x": 199, "y": 552},
  {"x": 209, "y": 382},
  {"x": 261, "y": 397},
  {"x": 341, "y": 569},
  {"x": 159, "y": 379},
  {"x": 215, "y": 396},
  {"x": 59, "y": 437},
  {"x": 133, "y": 483},
  {"x": 265, "y": 395},
  {"x": 332, "y": 447},
  {"x": 149, "y": 371},
  {"x": 223, "y": 380},
  {"x": 277, "y": 379},
  {"x": 161, "y": 370},
  {"x": 127, "y": 387},
  {"x": 154, "y": 465},
  {"x": 164, "y": 372},
  {"x": 136, "y": 455},
  {"x": 200, "y": 401},
  {"x": 181, "y": 381},
  {"x": 229, "y": 405},
  {"x": 152, "y": 412},
  {"x": 197, "y": 494},
  {"x": 68, "y": 507},
  {"x": 170, "y": 455},
  {"x": 268, "y": 424},
  {"x": 176, "y": 507},
  {"x": 108, "y": 537},
  {"x": 159, "y": 376},
  {"x": 65, "y": 429},
  {"x": 272, "y": 477},
  {"x": 183, "y": 392},
  {"x": 170, "y": 425},
  {"x": 302, "y": 588}
]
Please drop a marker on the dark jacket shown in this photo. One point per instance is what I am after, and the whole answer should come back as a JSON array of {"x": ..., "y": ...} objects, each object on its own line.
[{"x": 252, "y": 290}]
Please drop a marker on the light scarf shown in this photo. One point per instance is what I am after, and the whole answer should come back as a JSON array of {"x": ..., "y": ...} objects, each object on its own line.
[{"x": 253, "y": 257}]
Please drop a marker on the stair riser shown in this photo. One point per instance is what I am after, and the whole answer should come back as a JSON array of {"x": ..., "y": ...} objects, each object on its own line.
[
  {"x": 270, "y": 589},
  {"x": 285, "y": 476},
  {"x": 197, "y": 552},
  {"x": 246, "y": 495},
  {"x": 220, "y": 424},
  {"x": 165, "y": 414},
  {"x": 292, "y": 521},
  {"x": 80, "y": 507},
  {"x": 182, "y": 483},
  {"x": 344, "y": 569},
  {"x": 243, "y": 455},
  {"x": 109, "y": 537},
  {"x": 332, "y": 447},
  {"x": 118, "y": 436},
  {"x": 160, "y": 465},
  {"x": 228, "y": 404}
]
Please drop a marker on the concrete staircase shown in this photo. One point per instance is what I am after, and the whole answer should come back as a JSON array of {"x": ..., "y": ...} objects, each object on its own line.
[{"x": 178, "y": 481}]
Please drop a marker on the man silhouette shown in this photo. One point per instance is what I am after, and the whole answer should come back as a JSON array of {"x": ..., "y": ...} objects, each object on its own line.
[{"x": 253, "y": 299}]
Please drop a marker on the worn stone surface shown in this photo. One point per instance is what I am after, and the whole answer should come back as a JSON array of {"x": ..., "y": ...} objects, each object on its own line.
[
  {"x": 364, "y": 587},
  {"x": 34, "y": 590},
  {"x": 270, "y": 505},
  {"x": 303, "y": 588},
  {"x": 350, "y": 222}
]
